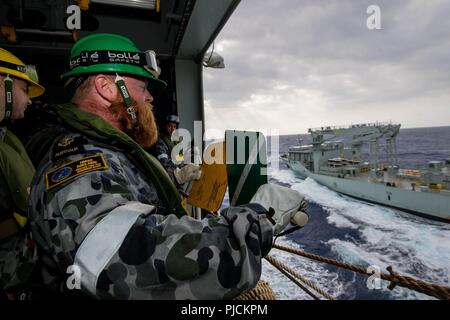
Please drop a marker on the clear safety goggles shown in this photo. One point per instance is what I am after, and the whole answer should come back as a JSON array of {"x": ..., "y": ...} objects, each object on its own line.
[
  {"x": 151, "y": 64},
  {"x": 31, "y": 72},
  {"x": 28, "y": 70}
]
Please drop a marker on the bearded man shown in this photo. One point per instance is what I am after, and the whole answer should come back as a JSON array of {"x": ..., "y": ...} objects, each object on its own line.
[{"x": 105, "y": 215}]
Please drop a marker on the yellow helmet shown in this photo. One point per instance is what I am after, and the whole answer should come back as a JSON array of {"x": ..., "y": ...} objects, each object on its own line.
[{"x": 10, "y": 64}]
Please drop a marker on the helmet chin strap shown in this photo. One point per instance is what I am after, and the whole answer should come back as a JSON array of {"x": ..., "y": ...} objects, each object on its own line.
[
  {"x": 126, "y": 98},
  {"x": 8, "y": 97}
]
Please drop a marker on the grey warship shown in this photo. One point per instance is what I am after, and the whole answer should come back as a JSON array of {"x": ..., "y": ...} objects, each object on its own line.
[{"x": 376, "y": 178}]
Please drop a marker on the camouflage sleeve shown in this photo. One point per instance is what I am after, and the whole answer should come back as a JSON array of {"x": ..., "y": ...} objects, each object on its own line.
[
  {"x": 104, "y": 223},
  {"x": 162, "y": 153},
  {"x": 17, "y": 260},
  {"x": 171, "y": 258}
]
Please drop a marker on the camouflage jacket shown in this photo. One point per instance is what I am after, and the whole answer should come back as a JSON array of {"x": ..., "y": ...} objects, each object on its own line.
[
  {"x": 162, "y": 151},
  {"x": 16, "y": 252},
  {"x": 98, "y": 222}
]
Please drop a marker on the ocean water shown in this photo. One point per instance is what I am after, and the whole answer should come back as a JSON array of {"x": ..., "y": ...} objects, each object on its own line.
[{"x": 364, "y": 234}]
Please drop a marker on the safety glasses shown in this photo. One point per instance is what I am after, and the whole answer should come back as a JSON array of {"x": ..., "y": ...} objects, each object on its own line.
[
  {"x": 31, "y": 72},
  {"x": 151, "y": 64}
]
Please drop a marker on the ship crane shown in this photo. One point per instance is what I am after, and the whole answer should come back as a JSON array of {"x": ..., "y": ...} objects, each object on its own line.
[{"x": 363, "y": 133}]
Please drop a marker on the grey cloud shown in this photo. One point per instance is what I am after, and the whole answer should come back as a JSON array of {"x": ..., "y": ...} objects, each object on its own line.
[{"x": 324, "y": 46}]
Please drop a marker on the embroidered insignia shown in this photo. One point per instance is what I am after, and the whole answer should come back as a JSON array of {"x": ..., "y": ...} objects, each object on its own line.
[
  {"x": 73, "y": 169},
  {"x": 61, "y": 174},
  {"x": 65, "y": 142},
  {"x": 68, "y": 146}
]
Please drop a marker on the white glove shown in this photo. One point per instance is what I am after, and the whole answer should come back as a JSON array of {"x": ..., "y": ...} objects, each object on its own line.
[
  {"x": 187, "y": 173},
  {"x": 288, "y": 204}
]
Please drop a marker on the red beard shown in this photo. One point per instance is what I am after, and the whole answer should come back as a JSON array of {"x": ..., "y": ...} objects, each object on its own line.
[{"x": 144, "y": 131}]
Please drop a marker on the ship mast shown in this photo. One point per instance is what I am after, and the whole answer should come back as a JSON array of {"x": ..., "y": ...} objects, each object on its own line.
[{"x": 360, "y": 134}]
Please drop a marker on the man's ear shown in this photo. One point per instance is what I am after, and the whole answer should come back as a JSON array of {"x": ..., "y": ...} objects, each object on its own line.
[{"x": 105, "y": 87}]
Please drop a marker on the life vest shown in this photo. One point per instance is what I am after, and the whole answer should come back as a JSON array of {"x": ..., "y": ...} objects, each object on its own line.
[
  {"x": 95, "y": 128},
  {"x": 16, "y": 173}
]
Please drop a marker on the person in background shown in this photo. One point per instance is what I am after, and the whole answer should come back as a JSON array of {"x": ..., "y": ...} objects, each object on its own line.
[
  {"x": 179, "y": 173},
  {"x": 17, "y": 86}
]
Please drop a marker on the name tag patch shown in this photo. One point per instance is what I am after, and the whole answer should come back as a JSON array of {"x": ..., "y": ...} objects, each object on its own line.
[{"x": 74, "y": 169}]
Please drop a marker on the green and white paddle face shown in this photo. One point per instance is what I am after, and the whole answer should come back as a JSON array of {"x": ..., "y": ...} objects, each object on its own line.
[{"x": 246, "y": 159}]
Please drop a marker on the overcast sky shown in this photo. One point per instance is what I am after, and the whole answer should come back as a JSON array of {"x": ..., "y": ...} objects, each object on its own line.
[{"x": 296, "y": 64}]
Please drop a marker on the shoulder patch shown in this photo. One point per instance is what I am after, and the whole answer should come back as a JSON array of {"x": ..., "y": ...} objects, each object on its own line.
[
  {"x": 73, "y": 169},
  {"x": 67, "y": 146}
]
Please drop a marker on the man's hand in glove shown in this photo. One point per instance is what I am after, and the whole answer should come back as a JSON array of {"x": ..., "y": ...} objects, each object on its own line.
[
  {"x": 187, "y": 173},
  {"x": 286, "y": 205}
]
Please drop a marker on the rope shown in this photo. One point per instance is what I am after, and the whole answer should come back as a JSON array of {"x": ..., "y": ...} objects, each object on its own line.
[
  {"x": 294, "y": 280},
  {"x": 279, "y": 265},
  {"x": 440, "y": 292},
  {"x": 262, "y": 291}
]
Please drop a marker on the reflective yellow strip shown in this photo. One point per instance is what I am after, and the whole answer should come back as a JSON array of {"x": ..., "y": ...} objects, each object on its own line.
[{"x": 21, "y": 220}]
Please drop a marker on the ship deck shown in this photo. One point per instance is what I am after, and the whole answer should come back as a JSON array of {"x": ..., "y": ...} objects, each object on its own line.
[{"x": 412, "y": 184}]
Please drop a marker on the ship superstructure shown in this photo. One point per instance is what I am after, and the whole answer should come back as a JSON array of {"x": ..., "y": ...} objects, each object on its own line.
[{"x": 364, "y": 165}]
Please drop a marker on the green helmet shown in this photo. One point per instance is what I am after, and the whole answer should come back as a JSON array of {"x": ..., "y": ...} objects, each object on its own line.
[{"x": 111, "y": 53}]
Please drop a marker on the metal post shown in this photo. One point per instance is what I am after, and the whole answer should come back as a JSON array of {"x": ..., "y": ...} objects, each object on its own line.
[{"x": 198, "y": 213}]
